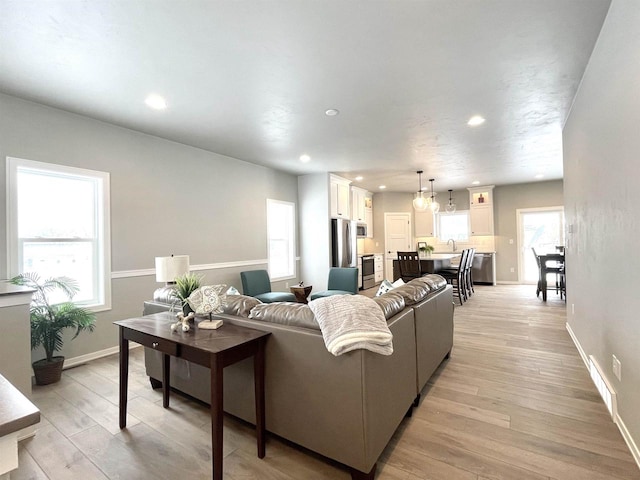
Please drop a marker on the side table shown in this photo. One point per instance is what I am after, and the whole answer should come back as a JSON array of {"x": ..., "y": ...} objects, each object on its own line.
[
  {"x": 214, "y": 349},
  {"x": 301, "y": 293}
]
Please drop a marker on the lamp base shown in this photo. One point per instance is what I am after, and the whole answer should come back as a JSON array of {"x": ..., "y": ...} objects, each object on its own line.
[{"x": 166, "y": 294}]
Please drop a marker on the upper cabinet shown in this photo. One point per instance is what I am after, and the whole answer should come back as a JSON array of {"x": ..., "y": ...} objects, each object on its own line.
[
  {"x": 340, "y": 197},
  {"x": 368, "y": 213},
  {"x": 424, "y": 223},
  {"x": 481, "y": 210},
  {"x": 358, "y": 196}
]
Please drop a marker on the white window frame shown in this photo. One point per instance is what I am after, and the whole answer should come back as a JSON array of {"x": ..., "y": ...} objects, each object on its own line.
[
  {"x": 291, "y": 240},
  {"x": 457, "y": 212},
  {"x": 102, "y": 246}
]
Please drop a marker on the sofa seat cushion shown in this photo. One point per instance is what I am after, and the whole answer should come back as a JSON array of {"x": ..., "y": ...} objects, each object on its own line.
[
  {"x": 239, "y": 305},
  {"x": 285, "y": 313},
  {"x": 390, "y": 303},
  {"x": 271, "y": 297},
  {"x": 328, "y": 293}
]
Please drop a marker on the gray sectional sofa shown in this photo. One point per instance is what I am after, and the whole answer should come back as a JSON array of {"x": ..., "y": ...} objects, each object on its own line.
[{"x": 344, "y": 407}]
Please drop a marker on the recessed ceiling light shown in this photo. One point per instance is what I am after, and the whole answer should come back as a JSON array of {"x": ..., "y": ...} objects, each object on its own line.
[
  {"x": 305, "y": 158},
  {"x": 475, "y": 182},
  {"x": 359, "y": 178},
  {"x": 332, "y": 112},
  {"x": 156, "y": 102},
  {"x": 540, "y": 175},
  {"x": 382, "y": 187},
  {"x": 475, "y": 121}
]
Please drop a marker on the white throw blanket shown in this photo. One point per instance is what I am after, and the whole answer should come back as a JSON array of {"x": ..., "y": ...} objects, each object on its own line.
[{"x": 350, "y": 322}]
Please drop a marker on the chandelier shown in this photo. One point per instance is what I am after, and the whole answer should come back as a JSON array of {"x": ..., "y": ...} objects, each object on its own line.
[
  {"x": 451, "y": 207},
  {"x": 433, "y": 205}
]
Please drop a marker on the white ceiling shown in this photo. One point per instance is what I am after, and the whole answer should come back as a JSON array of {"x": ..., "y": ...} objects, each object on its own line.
[{"x": 252, "y": 79}]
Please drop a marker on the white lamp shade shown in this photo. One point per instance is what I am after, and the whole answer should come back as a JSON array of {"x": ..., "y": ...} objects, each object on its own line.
[{"x": 168, "y": 268}]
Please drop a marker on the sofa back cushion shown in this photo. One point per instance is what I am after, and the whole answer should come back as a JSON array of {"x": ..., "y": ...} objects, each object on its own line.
[
  {"x": 390, "y": 303},
  {"x": 434, "y": 281},
  {"x": 413, "y": 292},
  {"x": 285, "y": 313},
  {"x": 240, "y": 305}
]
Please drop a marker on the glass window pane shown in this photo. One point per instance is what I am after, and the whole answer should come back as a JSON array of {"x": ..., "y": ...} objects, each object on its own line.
[
  {"x": 70, "y": 259},
  {"x": 454, "y": 225},
  {"x": 53, "y": 206},
  {"x": 281, "y": 238}
]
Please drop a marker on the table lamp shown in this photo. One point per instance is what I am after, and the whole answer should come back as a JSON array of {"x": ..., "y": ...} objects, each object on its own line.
[{"x": 167, "y": 270}]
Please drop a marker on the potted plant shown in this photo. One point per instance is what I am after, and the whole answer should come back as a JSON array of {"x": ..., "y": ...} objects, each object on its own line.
[
  {"x": 425, "y": 250},
  {"x": 48, "y": 320},
  {"x": 185, "y": 285}
]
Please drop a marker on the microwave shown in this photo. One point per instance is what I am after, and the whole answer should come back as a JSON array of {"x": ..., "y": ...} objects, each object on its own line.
[{"x": 361, "y": 230}]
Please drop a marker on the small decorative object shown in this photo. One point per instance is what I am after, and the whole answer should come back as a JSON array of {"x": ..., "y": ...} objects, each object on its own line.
[
  {"x": 480, "y": 199},
  {"x": 183, "y": 322},
  {"x": 208, "y": 300},
  {"x": 425, "y": 250},
  {"x": 185, "y": 285},
  {"x": 48, "y": 320}
]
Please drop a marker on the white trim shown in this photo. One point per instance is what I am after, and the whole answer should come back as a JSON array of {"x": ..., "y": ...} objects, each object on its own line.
[
  {"x": 204, "y": 266},
  {"x": 583, "y": 355},
  {"x": 292, "y": 240},
  {"x": 633, "y": 447},
  {"x": 506, "y": 282},
  {"x": 635, "y": 452},
  {"x": 82, "y": 359}
]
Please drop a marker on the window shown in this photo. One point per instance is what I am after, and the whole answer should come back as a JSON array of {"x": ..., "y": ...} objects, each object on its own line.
[
  {"x": 58, "y": 224},
  {"x": 453, "y": 225},
  {"x": 281, "y": 239}
]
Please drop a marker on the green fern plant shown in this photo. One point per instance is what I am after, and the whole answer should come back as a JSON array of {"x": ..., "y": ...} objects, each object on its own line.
[{"x": 48, "y": 321}]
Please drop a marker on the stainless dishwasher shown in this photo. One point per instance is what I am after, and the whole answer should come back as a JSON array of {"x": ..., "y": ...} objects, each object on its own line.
[{"x": 483, "y": 269}]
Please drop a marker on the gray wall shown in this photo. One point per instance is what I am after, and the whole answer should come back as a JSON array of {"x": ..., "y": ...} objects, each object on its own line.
[
  {"x": 165, "y": 198},
  {"x": 601, "y": 152},
  {"x": 506, "y": 200}
]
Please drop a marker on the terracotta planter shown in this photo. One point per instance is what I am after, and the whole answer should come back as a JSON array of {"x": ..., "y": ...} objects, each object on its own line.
[{"x": 48, "y": 372}]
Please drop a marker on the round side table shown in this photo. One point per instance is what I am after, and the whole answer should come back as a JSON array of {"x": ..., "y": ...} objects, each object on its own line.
[{"x": 301, "y": 293}]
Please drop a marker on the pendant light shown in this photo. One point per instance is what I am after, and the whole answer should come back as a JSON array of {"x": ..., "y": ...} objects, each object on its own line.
[
  {"x": 433, "y": 205},
  {"x": 451, "y": 207},
  {"x": 420, "y": 203}
]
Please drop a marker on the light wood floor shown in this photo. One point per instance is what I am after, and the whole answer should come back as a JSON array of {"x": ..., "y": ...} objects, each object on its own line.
[{"x": 513, "y": 402}]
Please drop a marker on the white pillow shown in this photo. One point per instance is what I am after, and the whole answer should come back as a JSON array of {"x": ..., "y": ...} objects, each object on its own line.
[
  {"x": 233, "y": 291},
  {"x": 385, "y": 286},
  {"x": 398, "y": 283}
]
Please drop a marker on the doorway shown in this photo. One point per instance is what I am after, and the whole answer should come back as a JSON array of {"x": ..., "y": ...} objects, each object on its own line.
[
  {"x": 397, "y": 237},
  {"x": 539, "y": 228}
]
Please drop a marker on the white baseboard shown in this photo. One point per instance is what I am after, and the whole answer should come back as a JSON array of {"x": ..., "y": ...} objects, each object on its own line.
[
  {"x": 633, "y": 447},
  {"x": 628, "y": 439},
  {"x": 507, "y": 282},
  {"x": 75, "y": 361},
  {"x": 583, "y": 355}
]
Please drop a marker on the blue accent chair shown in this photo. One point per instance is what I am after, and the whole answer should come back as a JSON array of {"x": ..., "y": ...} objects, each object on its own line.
[
  {"x": 342, "y": 281},
  {"x": 256, "y": 283}
]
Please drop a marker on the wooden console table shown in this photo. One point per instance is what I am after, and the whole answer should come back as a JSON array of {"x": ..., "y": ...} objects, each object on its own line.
[{"x": 214, "y": 349}]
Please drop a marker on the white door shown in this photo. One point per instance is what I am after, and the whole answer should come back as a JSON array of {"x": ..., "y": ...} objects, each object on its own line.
[
  {"x": 397, "y": 237},
  {"x": 539, "y": 228}
]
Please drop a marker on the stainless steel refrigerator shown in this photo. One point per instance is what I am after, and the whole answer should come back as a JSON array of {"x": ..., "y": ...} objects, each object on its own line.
[{"x": 343, "y": 243}]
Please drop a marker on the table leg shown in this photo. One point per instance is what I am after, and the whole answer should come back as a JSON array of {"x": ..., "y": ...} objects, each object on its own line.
[
  {"x": 543, "y": 287},
  {"x": 216, "y": 415},
  {"x": 166, "y": 387},
  {"x": 124, "y": 377},
  {"x": 258, "y": 375}
]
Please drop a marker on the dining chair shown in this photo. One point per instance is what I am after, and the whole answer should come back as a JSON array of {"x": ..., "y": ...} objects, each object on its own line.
[
  {"x": 256, "y": 283},
  {"x": 545, "y": 269},
  {"x": 409, "y": 264},
  {"x": 342, "y": 281},
  {"x": 456, "y": 277},
  {"x": 467, "y": 272}
]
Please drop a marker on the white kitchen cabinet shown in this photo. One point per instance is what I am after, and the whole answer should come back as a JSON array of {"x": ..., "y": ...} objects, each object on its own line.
[
  {"x": 481, "y": 210},
  {"x": 357, "y": 204},
  {"x": 340, "y": 197},
  {"x": 424, "y": 224},
  {"x": 378, "y": 267},
  {"x": 368, "y": 219}
]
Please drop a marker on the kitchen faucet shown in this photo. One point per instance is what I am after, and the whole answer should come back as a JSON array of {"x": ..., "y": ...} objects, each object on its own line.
[{"x": 454, "y": 243}]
